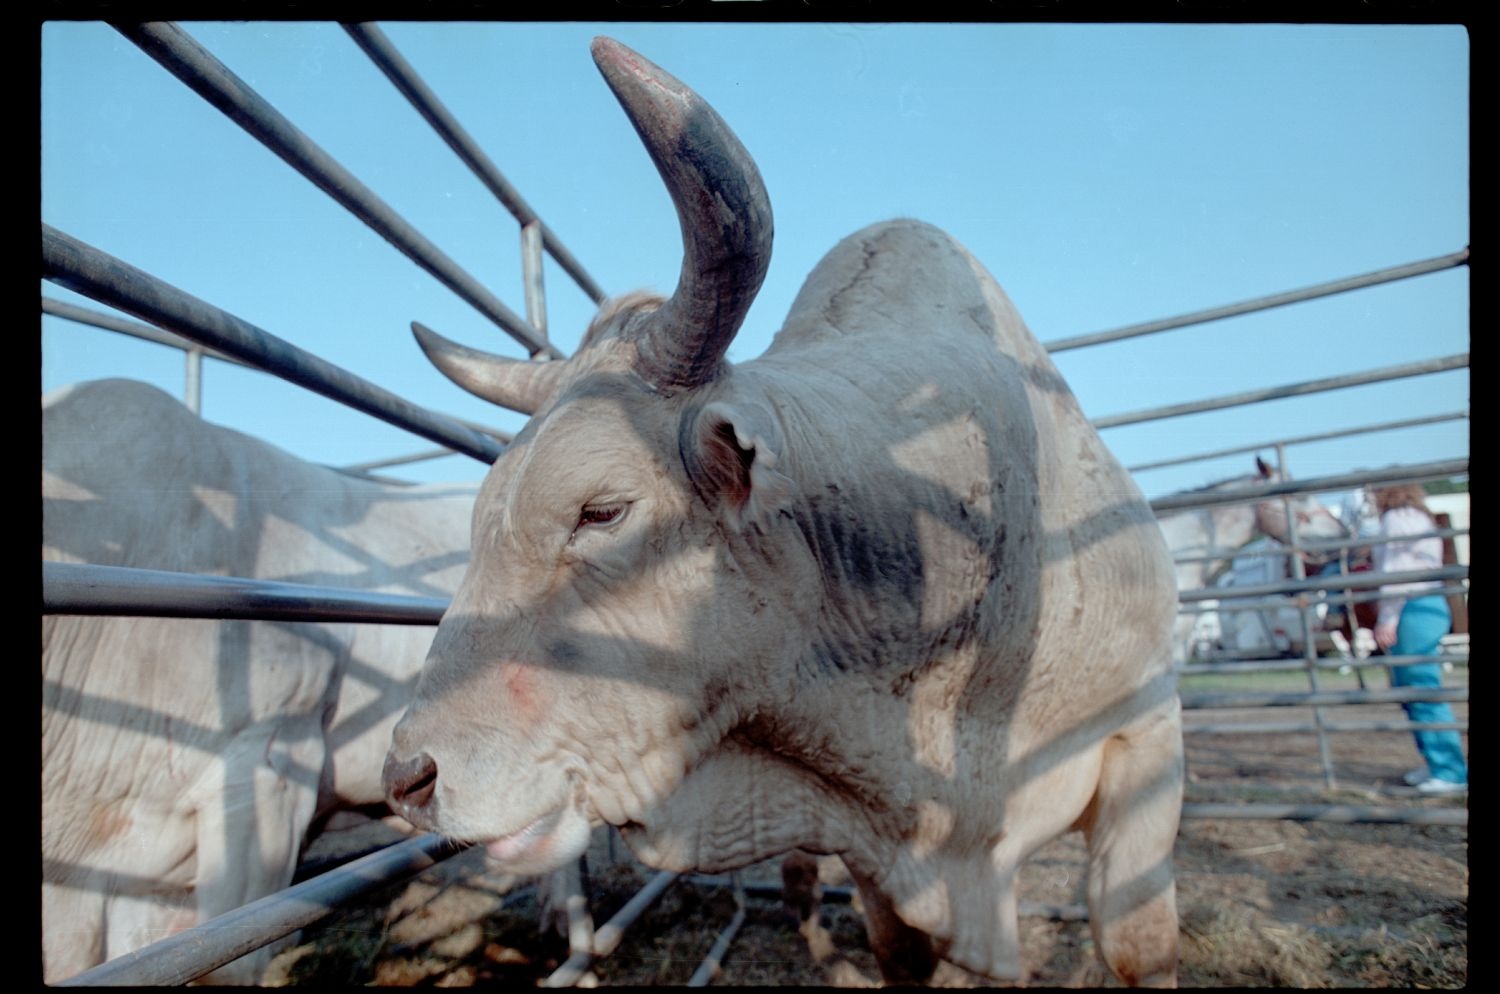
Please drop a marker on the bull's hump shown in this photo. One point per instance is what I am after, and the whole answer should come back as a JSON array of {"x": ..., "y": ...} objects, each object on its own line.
[{"x": 899, "y": 279}]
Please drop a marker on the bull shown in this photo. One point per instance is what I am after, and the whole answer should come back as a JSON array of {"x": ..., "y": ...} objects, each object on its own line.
[
  {"x": 184, "y": 761},
  {"x": 881, "y": 592}
]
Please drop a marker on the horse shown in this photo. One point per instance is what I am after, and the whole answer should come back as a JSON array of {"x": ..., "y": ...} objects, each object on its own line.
[{"x": 1200, "y": 531}]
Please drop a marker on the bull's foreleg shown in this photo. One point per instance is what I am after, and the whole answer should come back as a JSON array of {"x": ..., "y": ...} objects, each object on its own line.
[
  {"x": 1131, "y": 826},
  {"x": 250, "y": 832},
  {"x": 72, "y": 930},
  {"x": 904, "y": 954}
]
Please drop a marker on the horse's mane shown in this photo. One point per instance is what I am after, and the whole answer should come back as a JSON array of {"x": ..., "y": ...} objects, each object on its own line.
[{"x": 1228, "y": 481}]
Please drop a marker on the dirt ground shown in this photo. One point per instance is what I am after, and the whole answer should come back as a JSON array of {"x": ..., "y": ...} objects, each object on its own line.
[{"x": 1261, "y": 903}]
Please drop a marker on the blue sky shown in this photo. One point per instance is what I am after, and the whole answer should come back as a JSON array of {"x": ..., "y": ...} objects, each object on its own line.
[{"x": 1106, "y": 175}]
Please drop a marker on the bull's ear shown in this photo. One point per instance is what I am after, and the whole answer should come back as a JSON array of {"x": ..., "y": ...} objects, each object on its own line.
[{"x": 731, "y": 452}]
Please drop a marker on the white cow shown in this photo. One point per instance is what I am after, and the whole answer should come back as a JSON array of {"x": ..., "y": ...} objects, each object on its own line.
[
  {"x": 882, "y": 592},
  {"x": 184, "y": 760}
]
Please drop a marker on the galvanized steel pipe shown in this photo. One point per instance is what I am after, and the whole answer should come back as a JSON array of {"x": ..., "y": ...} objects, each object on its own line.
[
  {"x": 1341, "y": 813},
  {"x": 609, "y": 935},
  {"x": 1272, "y": 603},
  {"x": 83, "y": 588},
  {"x": 1293, "y": 727},
  {"x": 383, "y": 53},
  {"x": 1382, "y": 375},
  {"x": 1324, "y": 545},
  {"x": 81, "y": 267},
  {"x": 1334, "y": 581},
  {"x": 190, "y": 62},
  {"x": 1459, "y": 258},
  {"x": 710, "y": 966},
  {"x": 1300, "y": 439},
  {"x": 190, "y": 954},
  {"x": 1230, "y": 667},
  {"x": 109, "y": 322},
  {"x": 1409, "y": 473},
  {"x": 1275, "y": 699}
]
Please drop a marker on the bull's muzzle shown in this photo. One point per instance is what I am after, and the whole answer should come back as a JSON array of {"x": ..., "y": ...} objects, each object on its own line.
[{"x": 409, "y": 787}]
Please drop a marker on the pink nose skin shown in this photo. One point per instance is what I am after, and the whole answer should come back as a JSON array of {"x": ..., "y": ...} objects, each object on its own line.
[{"x": 409, "y": 788}]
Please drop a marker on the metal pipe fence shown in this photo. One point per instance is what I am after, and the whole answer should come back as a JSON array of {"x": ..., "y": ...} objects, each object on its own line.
[
  {"x": 1361, "y": 597},
  {"x": 205, "y": 75},
  {"x": 85, "y": 588},
  {"x": 81, "y": 267},
  {"x": 608, "y": 937},
  {"x": 1382, "y": 375},
  {"x": 1459, "y": 258},
  {"x": 1322, "y": 436},
  {"x": 190, "y": 954},
  {"x": 1412, "y": 473},
  {"x": 384, "y": 54},
  {"x": 146, "y": 332},
  {"x": 1325, "y": 545},
  {"x": 91, "y": 589}
]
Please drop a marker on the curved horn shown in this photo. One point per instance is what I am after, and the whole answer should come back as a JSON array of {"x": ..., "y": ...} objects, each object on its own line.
[
  {"x": 722, "y": 207},
  {"x": 514, "y": 383}
]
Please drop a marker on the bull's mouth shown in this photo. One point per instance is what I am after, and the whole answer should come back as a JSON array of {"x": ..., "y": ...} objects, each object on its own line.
[{"x": 530, "y": 844}]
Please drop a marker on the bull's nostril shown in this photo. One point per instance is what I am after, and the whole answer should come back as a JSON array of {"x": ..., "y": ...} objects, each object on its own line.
[
  {"x": 410, "y": 785},
  {"x": 420, "y": 792}
]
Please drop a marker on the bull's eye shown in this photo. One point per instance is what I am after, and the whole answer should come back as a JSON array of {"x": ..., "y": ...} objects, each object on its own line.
[{"x": 599, "y": 514}]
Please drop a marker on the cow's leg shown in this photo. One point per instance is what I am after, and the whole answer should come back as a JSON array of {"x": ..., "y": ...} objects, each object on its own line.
[
  {"x": 137, "y": 920},
  {"x": 72, "y": 931},
  {"x": 250, "y": 833},
  {"x": 905, "y": 955},
  {"x": 1131, "y": 826}
]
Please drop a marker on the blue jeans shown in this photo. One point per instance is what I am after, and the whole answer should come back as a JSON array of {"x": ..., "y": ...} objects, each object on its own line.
[{"x": 1425, "y": 620}]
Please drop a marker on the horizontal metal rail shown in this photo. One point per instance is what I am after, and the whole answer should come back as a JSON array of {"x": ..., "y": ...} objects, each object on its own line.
[
  {"x": 190, "y": 62},
  {"x": 1310, "y": 728},
  {"x": 1409, "y": 473},
  {"x": 415, "y": 457},
  {"x": 190, "y": 954},
  {"x": 1302, "y": 665},
  {"x": 1340, "y": 813},
  {"x": 1335, "y": 582},
  {"x": 1301, "y": 439},
  {"x": 383, "y": 53},
  {"x": 1322, "y": 545},
  {"x": 608, "y": 937},
  {"x": 840, "y": 894},
  {"x": 1322, "y": 698},
  {"x": 109, "y": 322},
  {"x": 81, "y": 267},
  {"x": 1302, "y": 600},
  {"x": 1382, "y": 375},
  {"x": 1449, "y": 261},
  {"x": 84, "y": 588}
]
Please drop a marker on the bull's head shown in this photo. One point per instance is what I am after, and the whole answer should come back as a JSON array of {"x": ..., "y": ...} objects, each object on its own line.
[{"x": 597, "y": 645}]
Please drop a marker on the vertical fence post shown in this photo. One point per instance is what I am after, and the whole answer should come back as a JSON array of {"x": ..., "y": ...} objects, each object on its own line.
[
  {"x": 1304, "y": 612},
  {"x": 192, "y": 387},
  {"x": 531, "y": 277}
]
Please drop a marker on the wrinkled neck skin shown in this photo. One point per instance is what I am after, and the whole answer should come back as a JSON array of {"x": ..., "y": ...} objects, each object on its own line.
[{"x": 868, "y": 747}]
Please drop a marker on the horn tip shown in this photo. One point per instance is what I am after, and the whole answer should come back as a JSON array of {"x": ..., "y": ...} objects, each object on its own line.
[
  {"x": 428, "y": 340},
  {"x": 606, "y": 50}
]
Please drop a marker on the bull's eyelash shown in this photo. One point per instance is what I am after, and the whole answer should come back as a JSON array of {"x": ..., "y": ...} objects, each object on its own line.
[{"x": 596, "y": 515}]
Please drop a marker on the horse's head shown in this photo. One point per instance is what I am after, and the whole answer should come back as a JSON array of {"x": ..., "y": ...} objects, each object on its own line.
[{"x": 1315, "y": 523}]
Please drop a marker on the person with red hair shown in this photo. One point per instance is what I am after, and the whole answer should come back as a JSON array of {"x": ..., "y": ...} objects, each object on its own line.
[{"x": 1413, "y": 618}]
